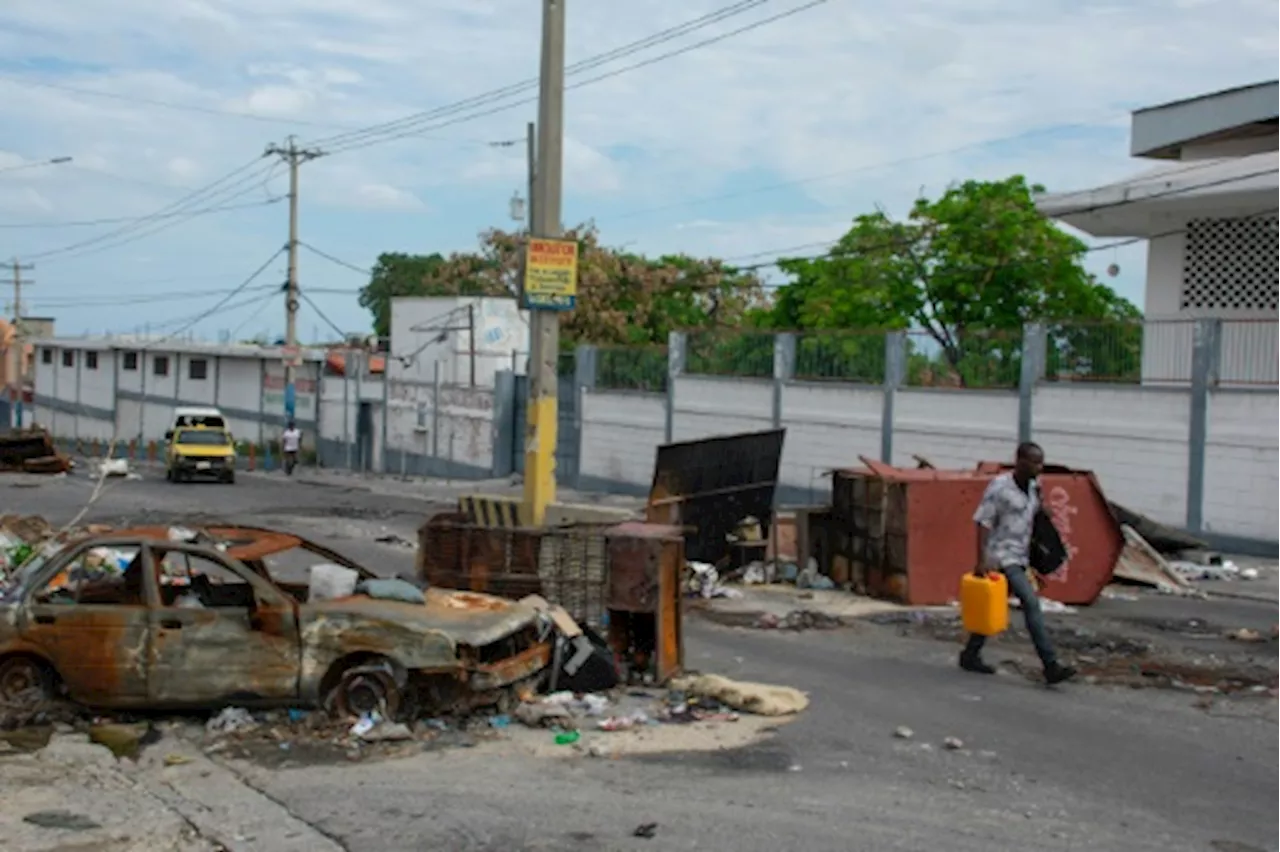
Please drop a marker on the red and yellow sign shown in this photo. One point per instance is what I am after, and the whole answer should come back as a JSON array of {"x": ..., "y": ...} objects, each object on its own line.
[{"x": 551, "y": 274}]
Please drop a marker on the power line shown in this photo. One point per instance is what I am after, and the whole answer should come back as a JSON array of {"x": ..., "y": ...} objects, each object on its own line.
[
  {"x": 257, "y": 312},
  {"x": 122, "y": 300},
  {"x": 333, "y": 325},
  {"x": 206, "y": 195},
  {"x": 531, "y": 83},
  {"x": 222, "y": 304},
  {"x": 85, "y": 223},
  {"x": 336, "y": 260},
  {"x": 352, "y": 144}
]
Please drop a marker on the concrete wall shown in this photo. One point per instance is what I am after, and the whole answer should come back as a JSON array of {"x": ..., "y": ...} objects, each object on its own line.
[
  {"x": 621, "y": 432},
  {"x": 1241, "y": 463}
]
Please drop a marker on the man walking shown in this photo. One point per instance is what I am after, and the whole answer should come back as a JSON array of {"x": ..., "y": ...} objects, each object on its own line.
[
  {"x": 290, "y": 443},
  {"x": 1005, "y": 519}
]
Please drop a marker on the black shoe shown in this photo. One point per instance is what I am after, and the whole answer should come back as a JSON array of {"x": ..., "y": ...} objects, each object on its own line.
[
  {"x": 973, "y": 663},
  {"x": 1058, "y": 673}
]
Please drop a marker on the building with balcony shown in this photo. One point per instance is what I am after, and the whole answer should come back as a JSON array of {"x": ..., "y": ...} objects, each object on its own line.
[{"x": 1209, "y": 214}]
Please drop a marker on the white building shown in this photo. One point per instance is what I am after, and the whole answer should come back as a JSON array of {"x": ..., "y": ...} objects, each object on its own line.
[
  {"x": 1210, "y": 216},
  {"x": 471, "y": 338},
  {"x": 126, "y": 388}
]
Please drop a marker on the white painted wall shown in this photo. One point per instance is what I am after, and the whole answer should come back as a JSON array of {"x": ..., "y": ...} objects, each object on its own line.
[
  {"x": 425, "y": 331},
  {"x": 953, "y": 428},
  {"x": 1134, "y": 438},
  {"x": 1240, "y": 494},
  {"x": 621, "y": 432}
]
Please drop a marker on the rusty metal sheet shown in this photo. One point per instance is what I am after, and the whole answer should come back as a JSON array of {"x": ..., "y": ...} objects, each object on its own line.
[
  {"x": 638, "y": 555},
  {"x": 709, "y": 486}
]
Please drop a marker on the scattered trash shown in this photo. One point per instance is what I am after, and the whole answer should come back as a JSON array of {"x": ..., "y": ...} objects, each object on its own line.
[
  {"x": 230, "y": 720},
  {"x": 392, "y": 538},
  {"x": 567, "y": 737},
  {"x": 1112, "y": 595},
  {"x": 112, "y": 467},
  {"x": 704, "y": 580},
  {"x": 1046, "y": 605},
  {"x": 1249, "y": 573},
  {"x": 330, "y": 582},
  {"x": 647, "y": 830},
  {"x": 800, "y": 619},
  {"x": 544, "y": 714},
  {"x": 757, "y": 698},
  {"x": 384, "y": 731},
  {"x": 500, "y": 721},
  {"x": 1244, "y": 634},
  {"x": 953, "y": 743},
  {"x": 365, "y": 724},
  {"x": 622, "y": 723},
  {"x": 65, "y": 820},
  {"x": 296, "y": 715},
  {"x": 123, "y": 740},
  {"x": 903, "y": 733},
  {"x": 179, "y": 759},
  {"x": 809, "y": 578},
  {"x": 1141, "y": 563}
]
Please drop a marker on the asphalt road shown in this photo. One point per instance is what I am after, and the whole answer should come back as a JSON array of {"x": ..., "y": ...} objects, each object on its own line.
[{"x": 1076, "y": 768}]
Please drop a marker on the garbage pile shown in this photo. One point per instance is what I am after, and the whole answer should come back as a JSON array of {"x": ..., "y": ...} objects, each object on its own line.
[{"x": 31, "y": 451}]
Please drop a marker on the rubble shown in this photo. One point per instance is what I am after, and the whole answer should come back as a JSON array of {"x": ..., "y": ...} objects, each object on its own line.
[{"x": 31, "y": 451}]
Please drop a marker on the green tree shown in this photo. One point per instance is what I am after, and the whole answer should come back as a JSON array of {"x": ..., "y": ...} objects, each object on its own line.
[
  {"x": 396, "y": 274},
  {"x": 964, "y": 272}
]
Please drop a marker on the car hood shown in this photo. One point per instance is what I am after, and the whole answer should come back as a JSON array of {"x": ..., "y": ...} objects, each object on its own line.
[{"x": 467, "y": 618}]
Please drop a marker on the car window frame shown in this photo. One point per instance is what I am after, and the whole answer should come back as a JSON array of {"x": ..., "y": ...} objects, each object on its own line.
[
  {"x": 72, "y": 552},
  {"x": 265, "y": 592}
]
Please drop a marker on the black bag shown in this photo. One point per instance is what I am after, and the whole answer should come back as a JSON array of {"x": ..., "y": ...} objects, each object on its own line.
[{"x": 1048, "y": 553}]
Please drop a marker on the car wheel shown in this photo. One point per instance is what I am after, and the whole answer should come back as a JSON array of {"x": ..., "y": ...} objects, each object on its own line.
[
  {"x": 365, "y": 688},
  {"x": 20, "y": 676}
]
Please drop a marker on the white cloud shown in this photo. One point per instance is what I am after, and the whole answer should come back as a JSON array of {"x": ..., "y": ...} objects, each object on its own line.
[{"x": 840, "y": 104}]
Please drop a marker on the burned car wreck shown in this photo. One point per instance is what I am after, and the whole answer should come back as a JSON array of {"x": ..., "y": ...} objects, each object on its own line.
[{"x": 171, "y": 618}]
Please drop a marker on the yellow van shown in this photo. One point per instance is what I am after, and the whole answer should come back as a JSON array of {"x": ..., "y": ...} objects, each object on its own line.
[{"x": 199, "y": 451}]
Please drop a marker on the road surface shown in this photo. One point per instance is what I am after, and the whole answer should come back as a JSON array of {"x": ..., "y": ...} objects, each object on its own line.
[{"x": 1076, "y": 768}]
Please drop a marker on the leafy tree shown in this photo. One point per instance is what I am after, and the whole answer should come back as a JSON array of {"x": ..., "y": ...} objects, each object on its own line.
[
  {"x": 623, "y": 300},
  {"x": 396, "y": 274},
  {"x": 964, "y": 273}
]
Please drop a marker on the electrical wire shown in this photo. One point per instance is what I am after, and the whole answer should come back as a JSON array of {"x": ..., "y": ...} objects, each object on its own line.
[
  {"x": 222, "y": 304},
  {"x": 85, "y": 223},
  {"x": 346, "y": 146},
  {"x": 333, "y": 325},
  {"x": 257, "y": 312},
  {"x": 335, "y": 260},
  {"x": 207, "y": 195},
  {"x": 99, "y": 300},
  {"x": 532, "y": 83}
]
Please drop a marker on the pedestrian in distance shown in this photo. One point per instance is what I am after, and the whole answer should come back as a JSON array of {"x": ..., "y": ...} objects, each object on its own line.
[
  {"x": 1006, "y": 519},
  {"x": 290, "y": 443}
]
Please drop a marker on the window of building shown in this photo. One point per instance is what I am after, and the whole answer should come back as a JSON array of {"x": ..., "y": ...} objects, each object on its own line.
[
  {"x": 1230, "y": 264},
  {"x": 68, "y": 357},
  {"x": 160, "y": 366},
  {"x": 46, "y": 356},
  {"x": 198, "y": 368},
  {"x": 131, "y": 360},
  {"x": 91, "y": 360}
]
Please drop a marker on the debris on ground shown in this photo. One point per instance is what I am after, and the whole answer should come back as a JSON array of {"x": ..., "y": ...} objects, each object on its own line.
[
  {"x": 62, "y": 820},
  {"x": 903, "y": 733},
  {"x": 1141, "y": 563},
  {"x": 800, "y": 619},
  {"x": 756, "y": 698},
  {"x": 31, "y": 451},
  {"x": 703, "y": 580},
  {"x": 953, "y": 743},
  {"x": 647, "y": 831},
  {"x": 230, "y": 720},
  {"x": 123, "y": 740}
]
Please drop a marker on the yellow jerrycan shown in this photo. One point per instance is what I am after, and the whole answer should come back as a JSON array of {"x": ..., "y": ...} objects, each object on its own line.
[{"x": 984, "y": 603}]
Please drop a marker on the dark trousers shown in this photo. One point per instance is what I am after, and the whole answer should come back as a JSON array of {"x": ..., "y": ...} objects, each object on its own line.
[{"x": 1022, "y": 588}]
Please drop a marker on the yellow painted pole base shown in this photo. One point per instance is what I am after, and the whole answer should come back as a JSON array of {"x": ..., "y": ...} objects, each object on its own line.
[{"x": 540, "y": 460}]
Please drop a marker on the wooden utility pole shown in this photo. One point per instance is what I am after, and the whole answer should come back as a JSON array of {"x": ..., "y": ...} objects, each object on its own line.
[
  {"x": 544, "y": 325},
  {"x": 294, "y": 156},
  {"x": 19, "y": 339}
]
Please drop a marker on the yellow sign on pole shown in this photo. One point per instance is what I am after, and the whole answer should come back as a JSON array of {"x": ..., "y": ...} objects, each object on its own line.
[{"x": 551, "y": 275}]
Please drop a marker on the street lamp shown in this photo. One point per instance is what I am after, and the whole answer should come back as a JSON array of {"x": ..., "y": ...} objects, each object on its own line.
[{"x": 54, "y": 161}]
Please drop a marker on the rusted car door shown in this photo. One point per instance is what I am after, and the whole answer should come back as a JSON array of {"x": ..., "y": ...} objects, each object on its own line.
[
  {"x": 93, "y": 621},
  {"x": 219, "y": 633}
]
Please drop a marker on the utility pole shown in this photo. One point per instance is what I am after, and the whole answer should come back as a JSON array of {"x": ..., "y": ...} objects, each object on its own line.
[
  {"x": 19, "y": 338},
  {"x": 294, "y": 156},
  {"x": 544, "y": 325}
]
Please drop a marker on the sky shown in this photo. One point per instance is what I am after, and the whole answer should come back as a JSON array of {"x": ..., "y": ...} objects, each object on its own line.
[{"x": 764, "y": 140}]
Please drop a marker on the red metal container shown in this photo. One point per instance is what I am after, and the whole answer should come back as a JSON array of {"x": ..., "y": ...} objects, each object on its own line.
[{"x": 924, "y": 540}]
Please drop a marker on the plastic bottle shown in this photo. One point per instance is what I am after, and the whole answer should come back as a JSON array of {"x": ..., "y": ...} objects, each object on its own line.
[{"x": 567, "y": 737}]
